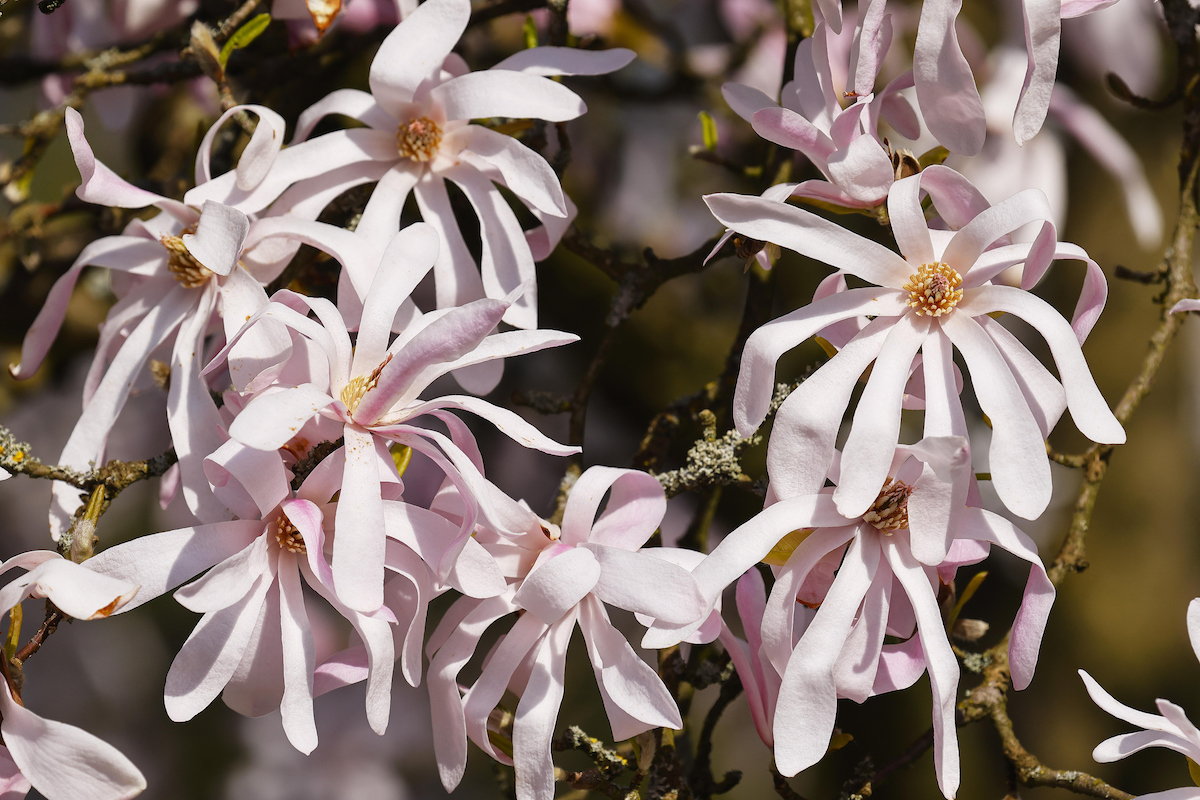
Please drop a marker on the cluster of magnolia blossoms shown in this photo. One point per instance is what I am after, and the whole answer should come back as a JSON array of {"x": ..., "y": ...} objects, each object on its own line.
[{"x": 295, "y": 419}]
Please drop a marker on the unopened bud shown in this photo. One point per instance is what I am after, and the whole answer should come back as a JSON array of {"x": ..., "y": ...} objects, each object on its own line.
[
  {"x": 206, "y": 52},
  {"x": 969, "y": 630}
]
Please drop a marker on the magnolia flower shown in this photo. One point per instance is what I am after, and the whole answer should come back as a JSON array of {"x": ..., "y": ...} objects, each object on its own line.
[
  {"x": 935, "y": 298},
  {"x": 61, "y": 761},
  {"x": 887, "y": 562},
  {"x": 372, "y": 389},
  {"x": 842, "y": 143},
  {"x": 1170, "y": 728},
  {"x": 178, "y": 270},
  {"x": 418, "y": 136},
  {"x": 590, "y": 562}
]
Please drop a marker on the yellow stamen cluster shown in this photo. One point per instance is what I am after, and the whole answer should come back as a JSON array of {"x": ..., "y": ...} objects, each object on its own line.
[
  {"x": 934, "y": 289},
  {"x": 889, "y": 512},
  {"x": 356, "y": 388},
  {"x": 419, "y": 139},
  {"x": 182, "y": 264},
  {"x": 288, "y": 537}
]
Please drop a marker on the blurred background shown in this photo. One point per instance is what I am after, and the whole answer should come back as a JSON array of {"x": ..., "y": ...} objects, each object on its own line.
[{"x": 637, "y": 184}]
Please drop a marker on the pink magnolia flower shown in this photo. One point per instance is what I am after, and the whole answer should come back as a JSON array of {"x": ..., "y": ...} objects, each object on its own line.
[
  {"x": 418, "y": 136},
  {"x": 1169, "y": 728},
  {"x": 564, "y": 578},
  {"x": 842, "y": 143},
  {"x": 61, "y": 761},
  {"x": 372, "y": 389},
  {"x": 933, "y": 299},
  {"x": 176, "y": 272},
  {"x": 871, "y": 577}
]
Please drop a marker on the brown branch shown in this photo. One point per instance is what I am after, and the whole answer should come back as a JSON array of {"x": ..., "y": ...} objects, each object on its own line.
[{"x": 54, "y": 617}]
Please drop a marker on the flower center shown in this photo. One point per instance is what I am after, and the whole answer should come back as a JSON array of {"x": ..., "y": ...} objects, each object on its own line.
[
  {"x": 889, "y": 512},
  {"x": 182, "y": 264},
  {"x": 934, "y": 289},
  {"x": 288, "y": 537},
  {"x": 356, "y": 388},
  {"x": 419, "y": 139}
]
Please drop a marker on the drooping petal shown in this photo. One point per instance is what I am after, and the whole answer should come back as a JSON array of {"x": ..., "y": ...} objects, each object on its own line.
[
  {"x": 256, "y": 686},
  {"x": 647, "y": 585},
  {"x": 946, "y": 90},
  {"x": 507, "y": 422},
  {"x": 271, "y": 420},
  {"x": 537, "y": 712},
  {"x": 100, "y": 184},
  {"x": 299, "y": 659},
  {"x": 217, "y": 242},
  {"x": 62, "y": 761},
  {"x": 1046, "y": 397},
  {"x": 1043, "y": 29},
  {"x": 352, "y": 103},
  {"x": 746, "y": 101},
  {"x": 456, "y": 278},
  {"x": 786, "y": 128},
  {"x": 76, "y": 590},
  {"x": 908, "y": 220},
  {"x": 1126, "y": 744},
  {"x": 523, "y": 170},
  {"x": 509, "y": 653},
  {"x": 990, "y": 225},
  {"x": 358, "y": 547},
  {"x": 227, "y": 582},
  {"x": 635, "y": 508},
  {"x": 1108, "y": 703}
]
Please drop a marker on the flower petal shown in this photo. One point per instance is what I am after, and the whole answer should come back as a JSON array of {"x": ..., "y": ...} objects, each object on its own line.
[
  {"x": 537, "y": 712},
  {"x": 502, "y": 93},
  {"x": 415, "y": 50},
  {"x": 555, "y": 586},
  {"x": 946, "y": 89},
  {"x": 299, "y": 659},
  {"x": 359, "y": 544},
  {"x": 524, "y": 171},
  {"x": 567, "y": 61},
  {"x": 1043, "y": 28},
  {"x": 100, "y": 184}
]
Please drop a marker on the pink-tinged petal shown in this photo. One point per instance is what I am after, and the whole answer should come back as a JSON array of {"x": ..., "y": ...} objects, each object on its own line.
[
  {"x": 442, "y": 342},
  {"x": 898, "y": 112},
  {"x": 90, "y": 433},
  {"x": 408, "y": 258},
  {"x": 358, "y": 256},
  {"x": 1088, "y": 407},
  {"x": 750, "y": 542},
  {"x": 942, "y": 664},
  {"x": 992, "y": 224},
  {"x": 525, "y": 172},
  {"x": 549, "y": 61},
  {"x": 946, "y": 89},
  {"x": 125, "y": 253},
  {"x": 956, "y": 198},
  {"x": 299, "y": 659},
  {"x": 509, "y": 653},
  {"x": 943, "y": 410},
  {"x": 807, "y": 706},
  {"x": 162, "y": 561},
  {"x": 100, "y": 184},
  {"x": 806, "y": 426},
  {"x": 862, "y": 170},
  {"x": 900, "y": 666},
  {"x": 496, "y": 346},
  {"x": 259, "y": 154},
  {"x": 265, "y": 346},
  {"x": 1151, "y": 722},
  {"x": 647, "y": 585},
  {"x": 229, "y": 581},
  {"x": 408, "y": 595},
  {"x": 1045, "y": 395},
  {"x": 456, "y": 277},
  {"x": 908, "y": 221},
  {"x": 544, "y": 238},
  {"x": 1178, "y": 717},
  {"x": 358, "y": 547},
  {"x": 939, "y": 496},
  {"x": 505, "y": 421},
  {"x": 415, "y": 50},
  {"x": 13, "y": 785},
  {"x": 1043, "y": 29},
  {"x": 814, "y": 88},
  {"x": 256, "y": 687},
  {"x": 336, "y": 349},
  {"x": 196, "y": 426},
  {"x": 1114, "y": 154},
  {"x": 449, "y": 721},
  {"x": 870, "y": 46},
  {"x": 506, "y": 265},
  {"x": 831, "y": 13},
  {"x": 764, "y": 348},
  {"x": 628, "y": 684},
  {"x": 1126, "y": 744},
  {"x": 78, "y": 591},
  {"x": 788, "y": 129},
  {"x": 211, "y": 654},
  {"x": 1019, "y": 467},
  {"x": 826, "y": 192},
  {"x": 62, "y": 761},
  {"x": 501, "y": 93},
  {"x": 810, "y": 235},
  {"x": 475, "y": 573},
  {"x": 272, "y": 420},
  {"x": 1030, "y": 623},
  {"x": 858, "y": 662},
  {"x": 867, "y": 455},
  {"x": 299, "y": 162},
  {"x": 351, "y": 103},
  {"x": 746, "y": 101},
  {"x": 217, "y": 242},
  {"x": 1185, "y": 305},
  {"x": 556, "y": 585},
  {"x": 537, "y": 713},
  {"x": 634, "y": 510}
]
